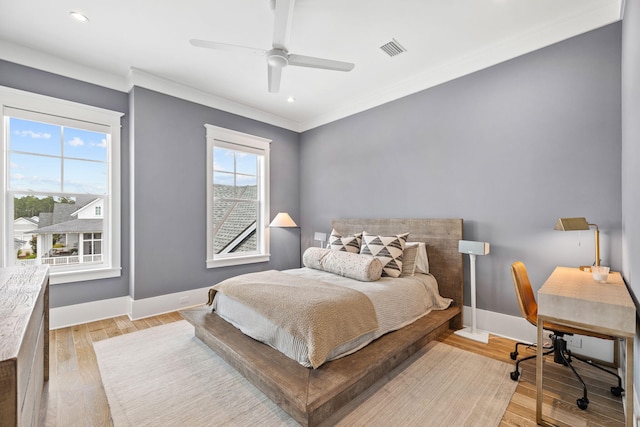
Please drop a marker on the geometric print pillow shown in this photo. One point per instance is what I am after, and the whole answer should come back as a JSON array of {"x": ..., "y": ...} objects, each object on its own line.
[
  {"x": 347, "y": 243},
  {"x": 388, "y": 249}
]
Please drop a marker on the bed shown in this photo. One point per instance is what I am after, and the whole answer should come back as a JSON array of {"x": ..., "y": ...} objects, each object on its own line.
[{"x": 312, "y": 395}]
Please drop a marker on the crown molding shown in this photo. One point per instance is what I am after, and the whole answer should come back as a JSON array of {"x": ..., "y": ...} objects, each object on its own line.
[{"x": 52, "y": 64}]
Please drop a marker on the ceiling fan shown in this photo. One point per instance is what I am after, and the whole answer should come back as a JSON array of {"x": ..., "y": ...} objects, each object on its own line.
[{"x": 279, "y": 57}]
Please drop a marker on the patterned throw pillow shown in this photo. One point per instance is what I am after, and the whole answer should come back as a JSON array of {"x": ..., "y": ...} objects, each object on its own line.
[
  {"x": 337, "y": 242},
  {"x": 388, "y": 249}
]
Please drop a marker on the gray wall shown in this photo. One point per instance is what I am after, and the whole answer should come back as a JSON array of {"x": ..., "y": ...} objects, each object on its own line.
[
  {"x": 36, "y": 81},
  {"x": 631, "y": 157},
  {"x": 170, "y": 204},
  {"x": 509, "y": 149}
]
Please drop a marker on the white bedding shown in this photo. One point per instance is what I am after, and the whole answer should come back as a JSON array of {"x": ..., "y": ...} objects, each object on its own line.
[{"x": 397, "y": 302}]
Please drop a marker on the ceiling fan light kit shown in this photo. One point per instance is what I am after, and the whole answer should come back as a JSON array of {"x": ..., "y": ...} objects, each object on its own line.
[{"x": 279, "y": 57}]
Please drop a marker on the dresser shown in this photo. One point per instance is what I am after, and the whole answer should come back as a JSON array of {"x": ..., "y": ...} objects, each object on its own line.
[{"x": 24, "y": 343}]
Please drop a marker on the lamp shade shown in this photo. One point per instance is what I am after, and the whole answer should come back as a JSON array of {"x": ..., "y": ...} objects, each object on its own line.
[
  {"x": 578, "y": 224},
  {"x": 283, "y": 220},
  {"x": 571, "y": 224}
]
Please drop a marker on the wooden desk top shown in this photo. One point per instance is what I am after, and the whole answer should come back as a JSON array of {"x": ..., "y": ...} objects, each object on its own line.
[{"x": 572, "y": 295}]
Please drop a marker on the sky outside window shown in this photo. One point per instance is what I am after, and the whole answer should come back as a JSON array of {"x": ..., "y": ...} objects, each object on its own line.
[
  {"x": 39, "y": 161},
  {"x": 234, "y": 167}
]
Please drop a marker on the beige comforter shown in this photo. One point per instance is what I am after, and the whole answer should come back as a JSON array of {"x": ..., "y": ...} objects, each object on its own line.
[{"x": 323, "y": 315}]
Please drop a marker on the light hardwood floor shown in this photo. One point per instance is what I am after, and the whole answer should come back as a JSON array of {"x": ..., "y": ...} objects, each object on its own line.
[{"x": 75, "y": 395}]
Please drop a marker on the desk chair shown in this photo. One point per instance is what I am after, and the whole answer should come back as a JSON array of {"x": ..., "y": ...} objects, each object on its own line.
[{"x": 561, "y": 355}]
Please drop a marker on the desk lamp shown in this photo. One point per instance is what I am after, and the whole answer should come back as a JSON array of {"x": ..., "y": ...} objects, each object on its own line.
[
  {"x": 473, "y": 249},
  {"x": 576, "y": 224}
]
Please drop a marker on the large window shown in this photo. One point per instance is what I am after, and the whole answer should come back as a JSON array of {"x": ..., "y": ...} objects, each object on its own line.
[
  {"x": 237, "y": 197},
  {"x": 60, "y": 181}
]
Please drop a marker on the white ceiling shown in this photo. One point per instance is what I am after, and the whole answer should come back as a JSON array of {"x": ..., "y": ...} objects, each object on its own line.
[{"x": 146, "y": 43}]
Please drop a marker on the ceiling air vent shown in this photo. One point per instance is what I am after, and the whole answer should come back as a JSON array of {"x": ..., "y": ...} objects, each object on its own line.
[{"x": 393, "y": 48}]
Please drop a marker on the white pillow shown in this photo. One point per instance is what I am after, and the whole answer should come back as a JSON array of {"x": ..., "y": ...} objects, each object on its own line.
[{"x": 365, "y": 268}]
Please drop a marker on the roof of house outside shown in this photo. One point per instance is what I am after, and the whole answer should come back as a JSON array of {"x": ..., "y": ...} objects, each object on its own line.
[
  {"x": 33, "y": 220},
  {"x": 74, "y": 226},
  {"x": 61, "y": 220},
  {"x": 231, "y": 219},
  {"x": 46, "y": 219}
]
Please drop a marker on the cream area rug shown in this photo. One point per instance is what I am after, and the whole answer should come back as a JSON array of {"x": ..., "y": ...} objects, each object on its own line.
[{"x": 164, "y": 376}]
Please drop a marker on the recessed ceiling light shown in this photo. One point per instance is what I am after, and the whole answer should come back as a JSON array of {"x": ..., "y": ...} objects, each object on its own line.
[
  {"x": 78, "y": 16},
  {"x": 291, "y": 99}
]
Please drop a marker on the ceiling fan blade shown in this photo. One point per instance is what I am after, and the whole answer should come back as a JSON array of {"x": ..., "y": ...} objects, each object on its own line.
[
  {"x": 275, "y": 74},
  {"x": 325, "y": 64},
  {"x": 282, "y": 22},
  {"x": 227, "y": 47}
]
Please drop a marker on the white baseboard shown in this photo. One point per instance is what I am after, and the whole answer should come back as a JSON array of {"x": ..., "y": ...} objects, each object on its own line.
[
  {"x": 167, "y": 303},
  {"x": 70, "y": 315}
]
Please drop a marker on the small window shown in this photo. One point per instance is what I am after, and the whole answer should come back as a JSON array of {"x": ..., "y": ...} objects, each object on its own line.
[
  {"x": 61, "y": 169},
  {"x": 237, "y": 197}
]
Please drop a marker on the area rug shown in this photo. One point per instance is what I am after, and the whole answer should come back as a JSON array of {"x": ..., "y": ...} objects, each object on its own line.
[{"x": 164, "y": 376}]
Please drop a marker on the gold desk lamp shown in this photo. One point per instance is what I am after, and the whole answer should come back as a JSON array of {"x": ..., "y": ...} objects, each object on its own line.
[{"x": 576, "y": 224}]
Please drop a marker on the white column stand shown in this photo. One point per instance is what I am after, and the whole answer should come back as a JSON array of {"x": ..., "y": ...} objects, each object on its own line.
[{"x": 473, "y": 333}]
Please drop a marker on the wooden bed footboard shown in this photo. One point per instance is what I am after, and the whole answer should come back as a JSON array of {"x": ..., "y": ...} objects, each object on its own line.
[{"x": 310, "y": 396}]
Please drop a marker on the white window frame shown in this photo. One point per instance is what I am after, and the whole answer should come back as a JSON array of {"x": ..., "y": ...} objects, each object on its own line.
[
  {"x": 234, "y": 140},
  {"x": 39, "y": 104}
]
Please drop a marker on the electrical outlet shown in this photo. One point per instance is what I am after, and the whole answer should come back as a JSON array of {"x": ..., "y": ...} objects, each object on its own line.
[
  {"x": 183, "y": 300},
  {"x": 574, "y": 342}
]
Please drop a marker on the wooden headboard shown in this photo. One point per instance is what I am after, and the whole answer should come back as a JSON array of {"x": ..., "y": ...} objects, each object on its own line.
[{"x": 440, "y": 235}]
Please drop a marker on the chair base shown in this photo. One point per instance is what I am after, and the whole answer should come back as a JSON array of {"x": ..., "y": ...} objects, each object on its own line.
[{"x": 563, "y": 356}]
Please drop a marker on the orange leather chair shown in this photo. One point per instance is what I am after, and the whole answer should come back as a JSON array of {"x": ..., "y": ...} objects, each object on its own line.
[{"x": 529, "y": 308}]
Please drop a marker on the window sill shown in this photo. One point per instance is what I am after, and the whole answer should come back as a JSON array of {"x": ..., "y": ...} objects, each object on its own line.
[
  {"x": 252, "y": 259},
  {"x": 59, "y": 277}
]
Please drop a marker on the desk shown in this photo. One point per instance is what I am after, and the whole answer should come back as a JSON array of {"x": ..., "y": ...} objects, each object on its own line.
[{"x": 571, "y": 297}]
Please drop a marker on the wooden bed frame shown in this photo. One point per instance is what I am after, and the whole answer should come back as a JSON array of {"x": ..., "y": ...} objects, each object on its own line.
[{"x": 312, "y": 395}]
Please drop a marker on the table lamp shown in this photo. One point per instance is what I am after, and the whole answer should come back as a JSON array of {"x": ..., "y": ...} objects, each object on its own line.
[
  {"x": 472, "y": 249},
  {"x": 577, "y": 224}
]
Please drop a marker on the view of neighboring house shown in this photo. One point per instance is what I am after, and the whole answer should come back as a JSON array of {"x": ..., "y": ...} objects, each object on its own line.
[
  {"x": 71, "y": 234},
  {"x": 23, "y": 231}
]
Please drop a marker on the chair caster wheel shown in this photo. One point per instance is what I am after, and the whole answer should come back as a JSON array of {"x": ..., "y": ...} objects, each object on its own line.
[
  {"x": 514, "y": 355},
  {"x": 515, "y": 375},
  {"x": 617, "y": 391},
  {"x": 583, "y": 402}
]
